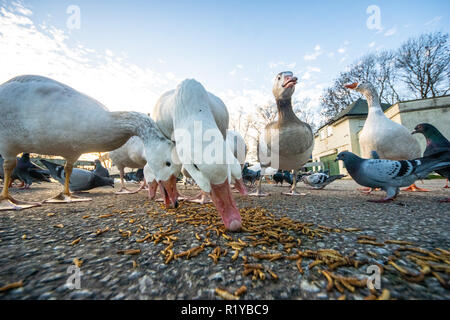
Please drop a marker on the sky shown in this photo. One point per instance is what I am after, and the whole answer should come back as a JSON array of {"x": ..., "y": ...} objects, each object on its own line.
[{"x": 128, "y": 53}]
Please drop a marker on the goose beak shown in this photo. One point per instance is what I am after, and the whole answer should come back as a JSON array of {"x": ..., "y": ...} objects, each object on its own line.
[
  {"x": 223, "y": 200},
  {"x": 352, "y": 86},
  {"x": 289, "y": 82},
  {"x": 240, "y": 186},
  {"x": 169, "y": 192}
]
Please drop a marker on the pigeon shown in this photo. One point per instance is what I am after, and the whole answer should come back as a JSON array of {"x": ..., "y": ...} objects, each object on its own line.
[
  {"x": 278, "y": 177},
  {"x": 287, "y": 176},
  {"x": 27, "y": 172},
  {"x": 100, "y": 170},
  {"x": 320, "y": 180},
  {"x": 250, "y": 175},
  {"x": 135, "y": 176},
  {"x": 389, "y": 175},
  {"x": 436, "y": 142},
  {"x": 80, "y": 180}
]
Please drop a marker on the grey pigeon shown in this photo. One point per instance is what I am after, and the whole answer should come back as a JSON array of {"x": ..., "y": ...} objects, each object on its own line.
[
  {"x": 100, "y": 170},
  {"x": 390, "y": 175},
  {"x": 278, "y": 177},
  {"x": 320, "y": 180},
  {"x": 80, "y": 180},
  {"x": 26, "y": 171},
  {"x": 436, "y": 142}
]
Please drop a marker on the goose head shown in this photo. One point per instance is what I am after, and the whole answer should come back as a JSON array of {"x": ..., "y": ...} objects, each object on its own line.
[
  {"x": 165, "y": 168},
  {"x": 365, "y": 88},
  {"x": 284, "y": 85},
  {"x": 215, "y": 178}
]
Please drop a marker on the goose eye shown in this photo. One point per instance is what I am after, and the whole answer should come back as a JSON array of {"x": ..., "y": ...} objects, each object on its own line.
[{"x": 168, "y": 164}]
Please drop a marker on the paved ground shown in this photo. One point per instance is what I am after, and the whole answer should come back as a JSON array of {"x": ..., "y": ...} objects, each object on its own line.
[{"x": 317, "y": 246}]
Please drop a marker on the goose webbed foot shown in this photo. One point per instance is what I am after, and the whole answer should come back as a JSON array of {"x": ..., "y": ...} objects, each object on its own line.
[
  {"x": 259, "y": 193},
  {"x": 201, "y": 198},
  {"x": 66, "y": 198},
  {"x": 9, "y": 203},
  {"x": 368, "y": 190},
  {"x": 414, "y": 188},
  {"x": 293, "y": 193},
  {"x": 124, "y": 190}
]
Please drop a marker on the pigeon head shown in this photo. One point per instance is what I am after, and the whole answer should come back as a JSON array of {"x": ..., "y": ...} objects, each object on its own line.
[
  {"x": 347, "y": 157},
  {"x": 284, "y": 85},
  {"x": 425, "y": 128}
]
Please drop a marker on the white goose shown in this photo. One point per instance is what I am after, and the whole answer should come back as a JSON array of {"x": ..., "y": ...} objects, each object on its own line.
[
  {"x": 130, "y": 155},
  {"x": 287, "y": 142},
  {"x": 41, "y": 115},
  {"x": 389, "y": 139},
  {"x": 197, "y": 121}
]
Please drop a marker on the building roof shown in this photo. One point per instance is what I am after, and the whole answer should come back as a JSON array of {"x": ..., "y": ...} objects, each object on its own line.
[{"x": 357, "y": 108}]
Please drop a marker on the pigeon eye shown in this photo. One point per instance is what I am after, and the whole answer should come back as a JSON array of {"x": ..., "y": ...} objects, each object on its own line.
[{"x": 168, "y": 163}]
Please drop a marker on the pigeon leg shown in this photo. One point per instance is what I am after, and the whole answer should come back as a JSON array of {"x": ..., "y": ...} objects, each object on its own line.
[
  {"x": 414, "y": 188},
  {"x": 66, "y": 196},
  {"x": 446, "y": 186},
  {"x": 445, "y": 200},
  {"x": 391, "y": 194},
  {"x": 6, "y": 201},
  {"x": 258, "y": 192},
  {"x": 293, "y": 191}
]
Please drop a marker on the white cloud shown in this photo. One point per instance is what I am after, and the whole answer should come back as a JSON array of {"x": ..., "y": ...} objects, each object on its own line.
[
  {"x": 313, "y": 69},
  {"x": 27, "y": 48},
  {"x": 433, "y": 21},
  {"x": 342, "y": 50},
  {"x": 240, "y": 66},
  {"x": 372, "y": 44},
  {"x": 233, "y": 72},
  {"x": 391, "y": 32}
]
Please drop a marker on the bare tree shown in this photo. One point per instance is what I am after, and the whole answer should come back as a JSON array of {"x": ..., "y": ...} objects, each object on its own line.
[
  {"x": 376, "y": 68},
  {"x": 424, "y": 63}
]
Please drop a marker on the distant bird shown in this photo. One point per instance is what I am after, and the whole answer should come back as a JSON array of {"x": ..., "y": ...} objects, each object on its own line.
[
  {"x": 26, "y": 171},
  {"x": 278, "y": 177},
  {"x": 389, "y": 139},
  {"x": 320, "y": 180},
  {"x": 436, "y": 142},
  {"x": 80, "y": 180},
  {"x": 250, "y": 175},
  {"x": 389, "y": 175},
  {"x": 100, "y": 170},
  {"x": 287, "y": 176},
  {"x": 135, "y": 176}
]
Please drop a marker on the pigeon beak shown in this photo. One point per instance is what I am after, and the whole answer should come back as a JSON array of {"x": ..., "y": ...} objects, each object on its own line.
[{"x": 414, "y": 132}]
